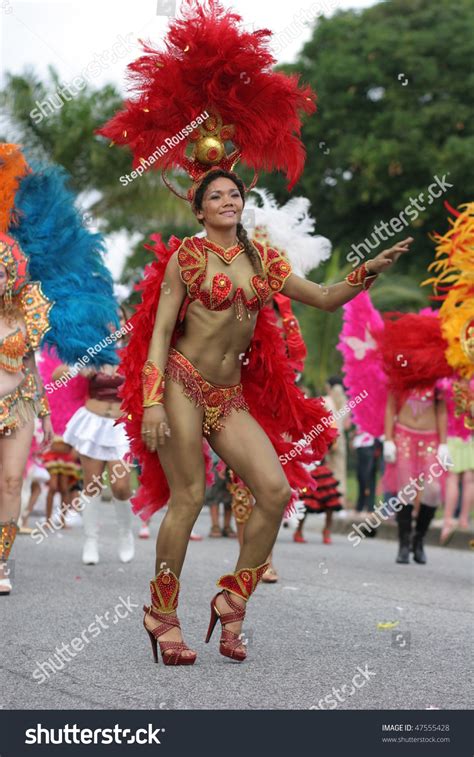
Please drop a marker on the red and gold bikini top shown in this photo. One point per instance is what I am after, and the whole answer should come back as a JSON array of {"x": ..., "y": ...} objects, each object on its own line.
[
  {"x": 13, "y": 348},
  {"x": 192, "y": 261}
]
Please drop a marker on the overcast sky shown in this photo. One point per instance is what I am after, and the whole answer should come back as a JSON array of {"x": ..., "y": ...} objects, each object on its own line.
[{"x": 70, "y": 34}]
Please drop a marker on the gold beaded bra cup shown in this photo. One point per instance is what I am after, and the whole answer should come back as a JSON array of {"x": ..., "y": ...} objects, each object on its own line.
[
  {"x": 192, "y": 262},
  {"x": 13, "y": 348}
]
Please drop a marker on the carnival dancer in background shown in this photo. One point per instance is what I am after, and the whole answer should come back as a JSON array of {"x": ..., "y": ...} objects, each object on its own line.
[
  {"x": 54, "y": 289},
  {"x": 218, "y": 494},
  {"x": 415, "y": 449},
  {"x": 213, "y": 311},
  {"x": 102, "y": 445},
  {"x": 22, "y": 395},
  {"x": 336, "y": 458},
  {"x": 323, "y": 497},
  {"x": 459, "y": 397},
  {"x": 61, "y": 461},
  {"x": 453, "y": 285}
]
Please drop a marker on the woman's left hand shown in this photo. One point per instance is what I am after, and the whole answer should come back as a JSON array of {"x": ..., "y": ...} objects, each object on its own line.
[
  {"x": 48, "y": 433},
  {"x": 388, "y": 257}
]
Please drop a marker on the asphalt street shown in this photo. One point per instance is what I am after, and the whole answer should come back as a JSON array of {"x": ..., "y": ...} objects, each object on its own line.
[{"x": 339, "y": 614}]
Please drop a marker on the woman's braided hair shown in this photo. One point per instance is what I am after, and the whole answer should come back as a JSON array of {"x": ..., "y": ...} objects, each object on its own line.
[{"x": 242, "y": 235}]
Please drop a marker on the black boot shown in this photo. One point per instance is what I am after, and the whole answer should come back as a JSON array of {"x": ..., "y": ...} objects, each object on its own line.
[
  {"x": 425, "y": 516},
  {"x": 404, "y": 532}
]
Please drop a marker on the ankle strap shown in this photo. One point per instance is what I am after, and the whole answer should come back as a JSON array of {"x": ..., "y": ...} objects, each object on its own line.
[
  {"x": 238, "y": 613},
  {"x": 167, "y": 621}
]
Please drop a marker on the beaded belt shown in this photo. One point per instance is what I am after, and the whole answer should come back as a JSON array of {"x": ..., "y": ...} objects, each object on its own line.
[{"x": 217, "y": 401}]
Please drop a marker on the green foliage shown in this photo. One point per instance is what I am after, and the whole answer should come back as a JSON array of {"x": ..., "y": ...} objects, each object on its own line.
[{"x": 367, "y": 157}]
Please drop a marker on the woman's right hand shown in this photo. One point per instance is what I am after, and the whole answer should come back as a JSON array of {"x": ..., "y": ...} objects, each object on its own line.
[{"x": 155, "y": 427}]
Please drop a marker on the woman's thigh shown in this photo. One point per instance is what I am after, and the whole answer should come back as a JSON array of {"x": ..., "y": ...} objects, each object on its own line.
[
  {"x": 14, "y": 451},
  {"x": 92, "y": 468},
  {"x": 181, "y": 456},
  {"x": 246, "y": 449}
]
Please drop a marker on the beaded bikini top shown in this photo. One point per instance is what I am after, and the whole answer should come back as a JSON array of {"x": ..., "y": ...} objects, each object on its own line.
[
  {"x": 13, "y": 348},
  {"x": 193, "y": 256},
  {"x": 419, "y": 401}
]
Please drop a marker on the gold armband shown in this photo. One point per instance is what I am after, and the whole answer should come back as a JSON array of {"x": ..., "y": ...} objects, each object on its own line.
[
  {"x": 361, "y": 277},
  {"x": 153, "y": 381}
]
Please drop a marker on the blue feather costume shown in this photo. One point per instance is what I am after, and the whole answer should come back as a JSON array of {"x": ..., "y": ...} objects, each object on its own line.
[{"x": 67, "y": 259}]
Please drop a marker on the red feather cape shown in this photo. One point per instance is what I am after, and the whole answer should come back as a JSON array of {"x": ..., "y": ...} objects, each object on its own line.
[{"x": 268, "y": 384}]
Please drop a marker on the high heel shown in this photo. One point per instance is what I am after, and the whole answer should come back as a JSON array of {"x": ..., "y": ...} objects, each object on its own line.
[
  {"x": 242, "y": 583},
  {"x": 164, "y": 595}
]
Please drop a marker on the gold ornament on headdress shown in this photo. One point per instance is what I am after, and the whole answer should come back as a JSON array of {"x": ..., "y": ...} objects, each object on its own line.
[{"x": 208, "y": 154}]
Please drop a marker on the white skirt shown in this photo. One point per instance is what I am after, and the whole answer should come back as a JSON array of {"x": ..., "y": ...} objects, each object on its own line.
[{"x": 95, "y": 436}]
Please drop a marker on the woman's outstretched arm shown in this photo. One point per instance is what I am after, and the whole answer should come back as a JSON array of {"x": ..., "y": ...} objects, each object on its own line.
[{"x": 332, "y": 297}]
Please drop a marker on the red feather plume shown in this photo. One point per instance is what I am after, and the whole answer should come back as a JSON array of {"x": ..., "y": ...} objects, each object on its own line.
[
  {"x": 211, "y": 64},
  {"x": 413, "y": 352}
]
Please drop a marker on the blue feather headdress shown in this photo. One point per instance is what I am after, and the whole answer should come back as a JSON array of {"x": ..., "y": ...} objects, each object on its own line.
[{"x": 67, "y": 259}]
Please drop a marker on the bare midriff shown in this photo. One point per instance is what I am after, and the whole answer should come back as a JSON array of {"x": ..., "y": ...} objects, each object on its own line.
[
  {"x": 423, "y": 421},
  {"x": 103, "y": 408},
  {"x": 215, "y": 342}
]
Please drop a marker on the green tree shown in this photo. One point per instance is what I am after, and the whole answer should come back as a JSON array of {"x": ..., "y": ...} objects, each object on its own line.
[
  {"x": 395, "y": 108},
  {"x": 66, "y": 136}
]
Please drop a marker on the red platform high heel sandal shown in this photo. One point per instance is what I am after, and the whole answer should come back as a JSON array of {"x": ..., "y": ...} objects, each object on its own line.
[
  {"x": 242, "y": 583},
  {"x": 164, "y": 597}
]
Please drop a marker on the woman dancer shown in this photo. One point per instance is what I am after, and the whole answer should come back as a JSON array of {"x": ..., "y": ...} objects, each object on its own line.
[
  {"x": 336, "y": 459},
  {"x": 323, "y": 497},
  {"x": 453, "y": 284},
  {"x": 66, "y": 304},
  {"x": 215, "y": 288},
  {"x": 102, "y": 446},
  {"x": 22, "y": 395},
  {"x": 415, "y": 450},
  {"x": 461, "y": 450}
]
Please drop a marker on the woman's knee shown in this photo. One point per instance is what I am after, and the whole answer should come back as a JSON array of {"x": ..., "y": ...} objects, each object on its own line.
[
  {"x": 275, "y": 494},
  {"x": 188, "y": 499},
  {"x": 121, "y": 490}
]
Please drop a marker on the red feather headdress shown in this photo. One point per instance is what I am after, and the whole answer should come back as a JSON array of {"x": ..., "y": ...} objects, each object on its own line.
[
  {"x": 413, "y": 352},
  {"x": 212, "y": 68}
]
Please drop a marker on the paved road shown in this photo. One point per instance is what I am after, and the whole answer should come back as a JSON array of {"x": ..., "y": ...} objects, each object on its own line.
[{"x": 308, "y": 635}]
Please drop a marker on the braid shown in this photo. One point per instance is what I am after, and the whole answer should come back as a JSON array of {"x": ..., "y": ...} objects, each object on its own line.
[{"x": 250, "y": 250}]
